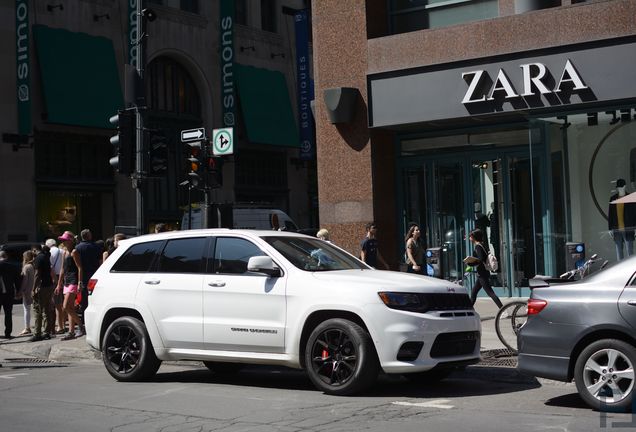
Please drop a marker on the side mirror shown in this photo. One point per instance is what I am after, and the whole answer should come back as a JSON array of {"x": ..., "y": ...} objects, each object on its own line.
[{"x": 263, "y": 264}]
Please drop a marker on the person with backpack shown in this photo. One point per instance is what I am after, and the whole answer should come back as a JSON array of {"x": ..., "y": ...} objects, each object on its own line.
[{"x": 478, "y": 260}]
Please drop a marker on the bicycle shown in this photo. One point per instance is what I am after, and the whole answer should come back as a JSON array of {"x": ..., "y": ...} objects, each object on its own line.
[{"x": 509, "y": 319}]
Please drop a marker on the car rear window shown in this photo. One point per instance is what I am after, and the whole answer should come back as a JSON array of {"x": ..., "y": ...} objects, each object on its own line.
[{"x": 138, "y": 258}]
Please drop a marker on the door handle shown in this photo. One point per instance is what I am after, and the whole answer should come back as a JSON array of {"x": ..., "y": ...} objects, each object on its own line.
[
  {"x": 631, "y": 302},
  {"x": 217, "y": 284},
  {"x": 152, "y": 282}
]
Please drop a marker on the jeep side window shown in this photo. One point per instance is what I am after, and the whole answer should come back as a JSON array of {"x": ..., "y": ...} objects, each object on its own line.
[
  {"x": 232, "y": 254},
  {"x": 184, "y": 255},
  {"x": 138, "y": 258}
]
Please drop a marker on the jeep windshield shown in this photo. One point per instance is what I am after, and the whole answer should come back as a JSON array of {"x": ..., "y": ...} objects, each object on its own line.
[{"x": 313, "y": 254}]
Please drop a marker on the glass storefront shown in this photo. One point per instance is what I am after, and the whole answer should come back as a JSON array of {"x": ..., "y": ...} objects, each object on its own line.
[{"x": 538, "y": 190}]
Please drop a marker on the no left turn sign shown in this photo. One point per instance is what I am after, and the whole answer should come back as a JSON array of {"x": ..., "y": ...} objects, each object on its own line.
[{"x": 223, "y": 141}]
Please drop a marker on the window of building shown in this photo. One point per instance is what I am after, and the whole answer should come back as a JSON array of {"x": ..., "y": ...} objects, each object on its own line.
[
  {"x": 184, "y": 5},
  {"x": 412, "y": 15},
  {"x": 183, "y": 256},
  {"x": 232, "y": 254},
  {"x": 261, "y": 169},
  {"x": 268, "y": 15},
  {"x": 240, "y": 12},
  {"x": 171, "y": 88},
  {"x": 138, "y": 258}
]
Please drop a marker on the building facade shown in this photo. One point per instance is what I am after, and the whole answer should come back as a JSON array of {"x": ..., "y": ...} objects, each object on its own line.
[
  {"x": 67, "y": 77},
  {"x": 513, "y": 116}
]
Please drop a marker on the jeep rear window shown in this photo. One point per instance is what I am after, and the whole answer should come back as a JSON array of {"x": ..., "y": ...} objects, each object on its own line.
[{"x": 138, "y": 258}]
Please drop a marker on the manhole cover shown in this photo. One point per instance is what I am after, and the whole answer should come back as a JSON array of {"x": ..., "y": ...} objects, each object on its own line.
[
  {"x": 498, "y": 357},
  {"x": 30, "y": 363}
]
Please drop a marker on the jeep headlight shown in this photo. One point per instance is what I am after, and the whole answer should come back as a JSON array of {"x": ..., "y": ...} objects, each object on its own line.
[{"x": 401, "y": 301}]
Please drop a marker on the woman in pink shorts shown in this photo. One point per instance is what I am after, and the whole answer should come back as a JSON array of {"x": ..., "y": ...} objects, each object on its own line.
[{"x": 69, "y": 277}]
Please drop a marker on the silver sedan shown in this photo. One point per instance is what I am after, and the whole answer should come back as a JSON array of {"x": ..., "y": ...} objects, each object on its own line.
[{"x": 586, "y": 331}]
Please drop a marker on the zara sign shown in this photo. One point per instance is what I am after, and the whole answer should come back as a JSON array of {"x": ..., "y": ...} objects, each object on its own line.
[
  {"x": 523, "y": 83},
  {"x": 536, "y": 78}
]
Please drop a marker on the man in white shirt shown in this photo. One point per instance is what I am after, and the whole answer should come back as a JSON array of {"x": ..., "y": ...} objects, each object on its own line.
[{"x": 58, "y": 300}]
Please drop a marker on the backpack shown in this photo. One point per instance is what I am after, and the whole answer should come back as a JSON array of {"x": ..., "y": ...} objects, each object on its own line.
[{"x": 491, "y": 264}]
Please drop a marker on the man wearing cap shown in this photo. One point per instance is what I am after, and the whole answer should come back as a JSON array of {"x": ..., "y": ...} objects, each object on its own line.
[
  {"x": 90, "y": 256},
  {"x": 9, "y": 286}
]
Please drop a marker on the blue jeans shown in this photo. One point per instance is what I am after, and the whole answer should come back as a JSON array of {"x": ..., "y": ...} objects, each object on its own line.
[{"x": 620, "y": 238}]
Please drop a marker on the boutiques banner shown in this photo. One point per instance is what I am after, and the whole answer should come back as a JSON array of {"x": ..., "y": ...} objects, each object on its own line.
[{"x": 305, "y": 90}]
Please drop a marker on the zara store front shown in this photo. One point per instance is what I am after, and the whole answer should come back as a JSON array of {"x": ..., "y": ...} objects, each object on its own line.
[{"x": 530, "y": 147}]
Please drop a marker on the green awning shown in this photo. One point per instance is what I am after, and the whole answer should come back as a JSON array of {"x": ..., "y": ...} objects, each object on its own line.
[
  {"x": 79, "y": 76},
  {"x": 266, "y": 107}
]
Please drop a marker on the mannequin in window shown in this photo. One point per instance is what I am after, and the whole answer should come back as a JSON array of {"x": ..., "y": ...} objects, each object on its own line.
[
  {"x": 622, "y": 219},
  {"x": 482, "y": 222}
]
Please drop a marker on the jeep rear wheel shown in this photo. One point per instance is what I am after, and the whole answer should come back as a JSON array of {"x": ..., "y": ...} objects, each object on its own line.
[
  {"x": 340, "y": 358},
  {"x": 127, "y": 351}
]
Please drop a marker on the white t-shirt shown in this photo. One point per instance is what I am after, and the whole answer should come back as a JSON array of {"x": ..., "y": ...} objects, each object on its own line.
[{"x": 56, "y": 260}]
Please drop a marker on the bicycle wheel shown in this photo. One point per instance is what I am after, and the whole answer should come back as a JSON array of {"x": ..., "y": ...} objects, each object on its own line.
[
  {"x": 508, "y": 321},
  {"x": 519, "y": 317}
]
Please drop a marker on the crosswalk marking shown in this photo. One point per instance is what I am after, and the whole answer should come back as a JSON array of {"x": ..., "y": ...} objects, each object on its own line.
[
  {"x": 11, "y": 376},
  {"x": 437, "y": 403}
]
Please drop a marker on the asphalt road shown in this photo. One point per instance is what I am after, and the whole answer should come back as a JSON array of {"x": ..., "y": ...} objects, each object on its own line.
[{"x": 187, "y": 397}]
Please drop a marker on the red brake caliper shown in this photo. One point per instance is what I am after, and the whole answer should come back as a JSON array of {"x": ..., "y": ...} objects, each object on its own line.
[{"x": 325, "y": 354}]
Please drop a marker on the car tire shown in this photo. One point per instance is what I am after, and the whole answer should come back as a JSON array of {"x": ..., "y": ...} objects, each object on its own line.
[
  {"x": 223, "y": 368},
  {"x": 340, "y": 358},
  {"x": 127, "y": 351},
  {"x": 596, "y": 375},
  {"x": 431, "y": 376}
]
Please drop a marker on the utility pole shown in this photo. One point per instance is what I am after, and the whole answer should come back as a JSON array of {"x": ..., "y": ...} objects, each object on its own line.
[{"x": 143, "y": 16}]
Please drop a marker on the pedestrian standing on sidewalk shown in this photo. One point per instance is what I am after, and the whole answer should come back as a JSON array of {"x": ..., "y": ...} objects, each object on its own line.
[
  {"x": 42, "y": 295},
  {"x": 69, "y": 281},
  {"x": 370, "y": 252},
  {"x": 90, "y": 257},
  {"x": 58, "y": 299},
  {"x": 9, "y": 290},
  {"x": 414, "y": 250},
  {"x": 114, "y": 243},
  {"x": 479, "y": 257},
  {"x": 26, "y": 289}
]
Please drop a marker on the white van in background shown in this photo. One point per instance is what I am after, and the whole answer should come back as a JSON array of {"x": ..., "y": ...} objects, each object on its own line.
[
  {"x": 262, "y": 219},
  {"x": 247, "y": 218}
]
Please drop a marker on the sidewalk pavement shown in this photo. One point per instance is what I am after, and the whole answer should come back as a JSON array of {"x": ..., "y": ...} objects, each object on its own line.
[{"x": 58, "y": 350}]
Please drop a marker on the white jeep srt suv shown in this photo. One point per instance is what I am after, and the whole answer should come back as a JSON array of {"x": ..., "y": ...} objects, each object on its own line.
[{"x": 232, "y": 297}]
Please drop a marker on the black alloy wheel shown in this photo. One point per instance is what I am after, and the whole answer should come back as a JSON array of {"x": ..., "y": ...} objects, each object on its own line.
[
  {"x": 340, "y": 358},
  {"x": 127, "y": 351}
]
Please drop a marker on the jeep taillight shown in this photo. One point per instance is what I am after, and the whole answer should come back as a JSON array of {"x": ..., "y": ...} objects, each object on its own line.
[
  {"x": 536, "y": 305},
  {"x": 91, "y": 285}
]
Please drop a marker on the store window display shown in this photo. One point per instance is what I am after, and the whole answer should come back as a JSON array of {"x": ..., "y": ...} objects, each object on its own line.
[{"x": 621, "y": 221}]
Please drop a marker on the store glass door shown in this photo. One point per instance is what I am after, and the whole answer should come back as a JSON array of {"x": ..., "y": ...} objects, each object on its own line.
[{"x": 498, "y": 192}]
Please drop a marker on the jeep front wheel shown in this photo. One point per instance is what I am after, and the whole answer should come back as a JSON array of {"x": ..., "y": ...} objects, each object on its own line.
[
  {"x": 340, "y": 358},
  {"x": 127, "y": 351}
]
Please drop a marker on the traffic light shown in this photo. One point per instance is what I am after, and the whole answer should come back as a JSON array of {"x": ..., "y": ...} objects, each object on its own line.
[
  {"x": 158, "y": 153},
  {"x": 124, "y": 142},
  {"x": 194, "y": 165},
  {"x": 215, "y": 169}
]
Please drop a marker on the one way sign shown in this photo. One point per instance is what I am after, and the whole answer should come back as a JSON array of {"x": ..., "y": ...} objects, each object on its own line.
[{"x": 192, "y": 135}]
